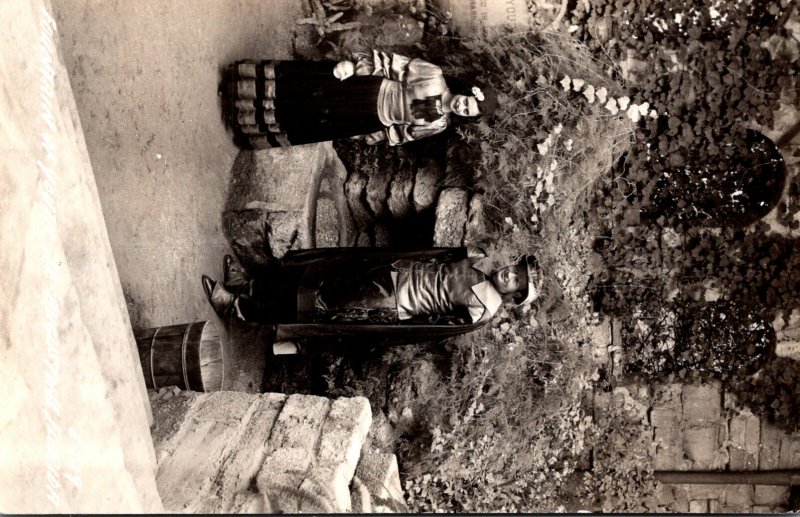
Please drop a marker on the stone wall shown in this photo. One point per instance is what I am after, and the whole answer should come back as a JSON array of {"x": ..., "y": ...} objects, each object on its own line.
[
  {"x": 408, "y": 196},
  {"x": 698, "y": 427},
  {"x": 236, "y": 452}
]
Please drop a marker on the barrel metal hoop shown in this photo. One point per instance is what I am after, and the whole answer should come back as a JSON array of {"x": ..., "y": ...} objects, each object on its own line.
[
  {"x": 183, "y": 355},
  {"x": 152, "y": 348}
]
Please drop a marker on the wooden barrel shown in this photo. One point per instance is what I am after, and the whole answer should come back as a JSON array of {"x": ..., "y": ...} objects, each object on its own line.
[{"x": 188, "y": 356}]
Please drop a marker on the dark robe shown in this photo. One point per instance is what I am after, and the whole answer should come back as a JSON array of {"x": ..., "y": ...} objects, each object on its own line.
[{"x": 298, "y": 276}]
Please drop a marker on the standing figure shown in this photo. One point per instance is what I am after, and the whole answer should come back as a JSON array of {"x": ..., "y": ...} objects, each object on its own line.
[
  {"x": 374, "y": 294},
  {"x": 376, "y": 97}
]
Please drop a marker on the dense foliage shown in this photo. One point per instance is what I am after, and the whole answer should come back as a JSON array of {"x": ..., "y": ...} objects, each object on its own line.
[
  {"x": 537, "y": 156},
  {"x": 709, "y": 72},
  {"x": 708, "y": 77},
  {"x": 501, "y": 434},
  {"x": 705, "y": 70}
]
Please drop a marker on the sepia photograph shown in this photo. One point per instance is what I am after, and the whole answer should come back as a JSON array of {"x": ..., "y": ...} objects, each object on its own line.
[{"x": 400, "y": 256}]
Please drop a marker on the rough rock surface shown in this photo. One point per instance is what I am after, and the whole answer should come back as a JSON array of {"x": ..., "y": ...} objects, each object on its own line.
[
  {"x": 354, "y": 190},
  {"x": 266, "y": 453},
  {"x": 383, "y": 236},
  {"x": 427, "y": 185},
  {"x": 476, "y": 222},
  {"x": 285, "y": 199},
  {"x": 400, "y": 193},
  {"x": 327, "y": 223},
  {"x": 74, "y": 434},
  {"x": 451, "y": 218},
  {"x": 270, "y": 196},
  {"x": 376, "y": 486},
  {"x": 699, "y": 427},
  {"x": 377, "y": 190}
]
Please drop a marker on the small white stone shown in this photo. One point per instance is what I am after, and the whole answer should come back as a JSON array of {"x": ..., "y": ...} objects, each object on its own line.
[
  {"x": 589, "y": 94},
  {"x": 577, "y": 84},
  {"x": 565, "y": 82},
  {"x": 611, "y": 106},
  {"x": 623, "y": 102},
  {"x": 633, "y": 113},
  {"x": 712, "y": 295},
  {"x": 653, "y": 114},
  {"x": 601, "y": 95},
  {"x": 643, "y": 108}
]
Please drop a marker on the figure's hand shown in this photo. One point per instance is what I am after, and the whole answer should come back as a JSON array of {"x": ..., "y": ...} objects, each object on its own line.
[{"x": 343, "y": 70}]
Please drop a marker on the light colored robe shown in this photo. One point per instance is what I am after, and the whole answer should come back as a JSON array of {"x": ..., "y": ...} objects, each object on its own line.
[{"x": 405, "y": 80}]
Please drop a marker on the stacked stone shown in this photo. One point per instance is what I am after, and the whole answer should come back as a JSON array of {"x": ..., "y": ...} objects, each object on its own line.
[
  {"x": 394, "y": 204},
  {"x": 234, "y": 452}
]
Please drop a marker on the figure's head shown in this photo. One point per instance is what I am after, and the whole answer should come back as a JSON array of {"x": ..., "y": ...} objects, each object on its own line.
[
  {"x": 518, "y": 280},
  {"x": 470, "y": 100}
]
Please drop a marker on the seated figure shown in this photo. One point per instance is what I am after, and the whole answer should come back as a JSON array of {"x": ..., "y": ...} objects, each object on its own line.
[{"x": 380, "y": 295}]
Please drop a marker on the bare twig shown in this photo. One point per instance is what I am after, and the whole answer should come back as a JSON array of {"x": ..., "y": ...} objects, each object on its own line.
[{"x": 561, "y": 12}]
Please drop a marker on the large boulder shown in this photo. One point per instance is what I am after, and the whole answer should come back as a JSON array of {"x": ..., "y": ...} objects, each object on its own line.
[
  {"x": 286, "y": 198},
  {"x": 260, "y": 453}
]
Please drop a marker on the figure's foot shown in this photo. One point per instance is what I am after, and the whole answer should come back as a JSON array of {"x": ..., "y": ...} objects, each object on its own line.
[
  {"x": 222, "y": 300},
  {"x": 234, "y": 277}
]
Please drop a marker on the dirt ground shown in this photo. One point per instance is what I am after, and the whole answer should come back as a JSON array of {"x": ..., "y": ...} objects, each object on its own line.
[{"x": 145, "y": 75}]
